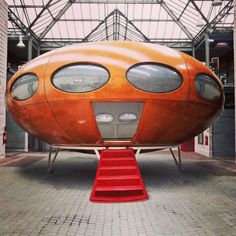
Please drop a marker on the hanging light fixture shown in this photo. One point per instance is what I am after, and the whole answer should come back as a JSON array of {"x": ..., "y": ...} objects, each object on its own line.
[
  {"x": 20, "y": 43},
  {"x": 216, "y": 3}
]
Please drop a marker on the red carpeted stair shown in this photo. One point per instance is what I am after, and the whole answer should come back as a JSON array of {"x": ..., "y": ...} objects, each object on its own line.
[{"x": 118, "y": 178}]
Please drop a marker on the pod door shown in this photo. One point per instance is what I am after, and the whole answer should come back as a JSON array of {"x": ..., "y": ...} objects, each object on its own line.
[{"x": 117, "y": 121}]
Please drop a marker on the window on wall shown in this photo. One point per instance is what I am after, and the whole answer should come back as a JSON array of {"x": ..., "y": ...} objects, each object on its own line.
[{"x": 200, "y": 138}]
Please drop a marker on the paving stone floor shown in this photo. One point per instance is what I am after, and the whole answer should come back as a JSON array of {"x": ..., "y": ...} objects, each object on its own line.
[{"x": 198, "y": 201}]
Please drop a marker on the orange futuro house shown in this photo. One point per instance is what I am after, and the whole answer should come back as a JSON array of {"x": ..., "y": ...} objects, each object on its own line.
[{"x": 113, "y": 94}]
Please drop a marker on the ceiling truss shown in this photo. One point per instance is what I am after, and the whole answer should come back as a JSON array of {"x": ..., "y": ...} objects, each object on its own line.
[{"x": 116, "y": 25}]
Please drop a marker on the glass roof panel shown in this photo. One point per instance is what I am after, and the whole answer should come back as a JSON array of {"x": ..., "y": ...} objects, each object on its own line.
[
  {"x": 137, "y": 11},
  {"x": 165, "y": 21}
]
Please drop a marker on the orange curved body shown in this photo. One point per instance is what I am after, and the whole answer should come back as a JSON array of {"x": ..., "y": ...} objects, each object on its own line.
[{"x": 68, "y": 118}]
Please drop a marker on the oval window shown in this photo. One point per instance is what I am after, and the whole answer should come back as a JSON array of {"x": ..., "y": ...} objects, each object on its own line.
[
  {"x": 80, "y": 78},
  {"x": 104, "y": 118},
  {"x": 154, "y": 78},
  {"x": 207, "y": 87},
  {"x": 24, "y": 87},
  {"x": 128, "y": 117}
]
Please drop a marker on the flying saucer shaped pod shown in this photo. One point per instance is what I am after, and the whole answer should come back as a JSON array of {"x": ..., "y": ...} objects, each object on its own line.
[{"x": 114, "y": 93}]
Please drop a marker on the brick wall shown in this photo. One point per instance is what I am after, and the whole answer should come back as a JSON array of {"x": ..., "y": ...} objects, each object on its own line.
[{"x": 3, "y": 70}]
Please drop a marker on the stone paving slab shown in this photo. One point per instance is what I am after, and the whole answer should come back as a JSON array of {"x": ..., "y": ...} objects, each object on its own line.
[{"x": 194, "y": 202}]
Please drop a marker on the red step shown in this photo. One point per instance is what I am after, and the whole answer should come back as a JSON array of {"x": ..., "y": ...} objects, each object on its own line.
[
  {"x": 118, "y": 178},
  {"x": 116, "y": 171},
  {"x": 118, "y": 162},
  {"x": 117, "y": 153}
]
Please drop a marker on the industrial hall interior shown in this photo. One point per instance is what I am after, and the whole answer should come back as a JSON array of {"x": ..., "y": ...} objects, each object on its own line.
[{"x": 117, "y": 117}]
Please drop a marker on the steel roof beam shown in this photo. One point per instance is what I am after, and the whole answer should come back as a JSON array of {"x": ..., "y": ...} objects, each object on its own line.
[
  {"x": 66, "y": 40},
  {"x": 26, "y": 6},
  {"x": 173, "y": 16},
  {"x": 40, "y": 14},
  {"x": 199, "y": 11},
  {"x": 224, "y": 11},
  {"x": 183, "y": 10},
  {"x": 98, "y": 26},
  {"x": 25, "y": 30},
  {"x": 130, "y": 22},
  {"x": 101, "y": 2},
  {"x": 25, "y": 12},
  {"x": 134, "y": 20},
  {"x": 117, "y": 1},
  {"x": 115, "y": 13},
  {"x": 182, "y": 46},
  {"x": 57, "y": 18}
]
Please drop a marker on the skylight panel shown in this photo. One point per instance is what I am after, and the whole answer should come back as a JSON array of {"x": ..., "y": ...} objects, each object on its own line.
[
  {"x": 31, "y": 13},
  {"x": 152, "y": 30},
  {"x": 155, "y": 10}
]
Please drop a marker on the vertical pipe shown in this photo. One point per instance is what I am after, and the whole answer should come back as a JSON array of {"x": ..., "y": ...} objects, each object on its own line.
[
  {"x": 207, "y": 60},
  {"x": 235, "y": 77},
  {"x": 193, "y": 51},
  {"x": 30, "y": 47},
  {"x": 38, "y": 50},
  {"x": 207, "y": 50}
]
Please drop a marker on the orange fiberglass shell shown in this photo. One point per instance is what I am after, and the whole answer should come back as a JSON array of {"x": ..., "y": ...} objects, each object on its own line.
[{"x": 114, "y": 94}]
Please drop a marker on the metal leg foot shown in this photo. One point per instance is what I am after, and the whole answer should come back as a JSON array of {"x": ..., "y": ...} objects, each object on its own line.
[
  {"x": 179, "y": 161},
  {"x": 50, "y": 160}
]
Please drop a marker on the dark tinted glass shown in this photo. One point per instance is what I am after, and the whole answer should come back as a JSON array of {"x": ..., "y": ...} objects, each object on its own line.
[
  {"x": 207, "y": 87},
  {"x": 80, "y": 78},
  {"x": 154, "y": 78},
  {"x": 24, "y": 87}
]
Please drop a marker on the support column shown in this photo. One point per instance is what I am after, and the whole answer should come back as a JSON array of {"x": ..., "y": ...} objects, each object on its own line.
[
  {"x": 38, "y": 50},
  {"x": 3, "y": 72},
  {"x": 207, "y": 50},
  {"x": 30, "y": 47},
  {"x": 193, "y": 51},
  {"x": 208, "y": 132},
  {"x": 235, "y": 73}
]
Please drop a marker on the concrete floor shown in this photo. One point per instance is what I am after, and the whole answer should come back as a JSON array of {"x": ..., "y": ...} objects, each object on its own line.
[{"x": 199, "y": 201}]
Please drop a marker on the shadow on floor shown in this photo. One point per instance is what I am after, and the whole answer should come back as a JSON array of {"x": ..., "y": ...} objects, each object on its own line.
[
  {"x": 79, "y": 172},
  {"x": 74, "y": 172}
]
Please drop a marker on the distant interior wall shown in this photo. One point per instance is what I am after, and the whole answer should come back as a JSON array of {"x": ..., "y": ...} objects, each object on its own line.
[
  {"x": 202, "y": 143},
  {"x": 3, "y": 70},
  {"x": 223, "y": 136},
  {"x": 15, "y": 135}
]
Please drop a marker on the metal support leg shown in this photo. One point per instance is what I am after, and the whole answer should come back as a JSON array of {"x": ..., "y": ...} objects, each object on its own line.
[
  {"x": 179, "y": 161},
  {"x": 97, "y": 153},
  {"x": 51, "y": 162},
  {"x": 137, "y": 152}
]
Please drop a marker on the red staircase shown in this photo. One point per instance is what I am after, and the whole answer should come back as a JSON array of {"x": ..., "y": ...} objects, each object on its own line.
[{"x": 118, "y": 178}]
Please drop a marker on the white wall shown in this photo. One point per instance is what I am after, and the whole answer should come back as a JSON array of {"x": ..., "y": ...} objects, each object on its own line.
[
  {"x": 204, "y": 149},
  {"x": 3, "y": 71}
]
